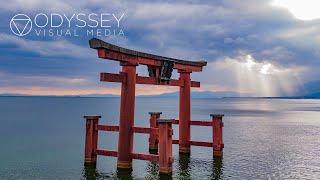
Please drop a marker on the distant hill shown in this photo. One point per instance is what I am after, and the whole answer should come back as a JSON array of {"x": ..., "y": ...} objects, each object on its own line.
[
  {"x": 8, "y": 94},
  {"x": 194, "y": 94}
]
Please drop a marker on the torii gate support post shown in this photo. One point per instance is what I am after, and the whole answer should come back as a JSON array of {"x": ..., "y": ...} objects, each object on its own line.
[
  {"x": 91, "y": 141},
  {"x": 153, "y": 139},
  {"x": 184, "y": 112},
  {"x": 125, "y": 142},
  {"x": 217, "y": 126},
  {"x": 165, "y": 146}
]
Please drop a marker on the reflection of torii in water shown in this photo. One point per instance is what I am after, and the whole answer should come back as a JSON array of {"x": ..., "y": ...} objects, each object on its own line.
[{"x": 160, "y": 70}]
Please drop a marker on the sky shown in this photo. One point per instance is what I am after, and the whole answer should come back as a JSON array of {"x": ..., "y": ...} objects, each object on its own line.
[{"x": 253, "y": 47}]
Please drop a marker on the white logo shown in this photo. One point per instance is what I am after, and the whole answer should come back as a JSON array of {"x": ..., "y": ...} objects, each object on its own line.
[
  {"x": 20, "y": 25},
  {"x": 76, "y": 24}
]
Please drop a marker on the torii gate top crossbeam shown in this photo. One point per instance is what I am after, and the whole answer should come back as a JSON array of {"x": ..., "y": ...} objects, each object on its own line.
[{"x": 113, "y": 52}]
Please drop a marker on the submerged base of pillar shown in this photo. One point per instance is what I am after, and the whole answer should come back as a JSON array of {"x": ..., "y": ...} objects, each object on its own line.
[
  {"x": 124, "y": 165},
  {"x": 217, "y": 153},
  {"x": 90, "y": 163},
  {"x": 165, "y": 170},
  {"x": 184, "y": 150}
]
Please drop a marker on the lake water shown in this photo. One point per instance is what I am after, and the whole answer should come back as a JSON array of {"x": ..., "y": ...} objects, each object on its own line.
[{"x": 43, "y": 138}]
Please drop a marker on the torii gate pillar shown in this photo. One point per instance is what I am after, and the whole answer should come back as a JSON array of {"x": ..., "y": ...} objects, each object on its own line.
[
  {"x": 125, "y": 142},
  {"x": 184, "y": 112}
]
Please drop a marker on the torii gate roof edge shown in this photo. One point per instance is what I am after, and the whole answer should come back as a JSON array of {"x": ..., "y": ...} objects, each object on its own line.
[{"x": 110, "y": 51}]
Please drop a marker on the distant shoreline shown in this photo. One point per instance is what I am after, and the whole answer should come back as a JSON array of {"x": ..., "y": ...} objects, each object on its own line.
[{"x": 156, "y": 96}]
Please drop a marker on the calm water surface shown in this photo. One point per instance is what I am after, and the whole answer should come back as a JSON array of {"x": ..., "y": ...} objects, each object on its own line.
[{"x": 43, "y": 138}]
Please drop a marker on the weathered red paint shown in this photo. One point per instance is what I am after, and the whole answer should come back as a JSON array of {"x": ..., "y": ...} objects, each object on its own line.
[
  {"x": 147, "y": 157},
  {"x": 91, "y": 141},
  {"x": 153, "y": 139},
  {"x": 201, "y": 143},
  {"x": 125, "y": 142},
  {"x": 175, "y": 141},
  {"x": 196, "y": 123},
  {"x": 142, "y": 130},
  {"x": 184, "y": 113},
  {"x": 217, "y": 135},
  {"x": 118, "y": 56},
  {"x": 165, "y": 146},
  {"x": 108, "y": 128},
  {"x": 195, "y": 143},
  {"x": 107, "y": 153},
  {"x": 110, "y": 77}
]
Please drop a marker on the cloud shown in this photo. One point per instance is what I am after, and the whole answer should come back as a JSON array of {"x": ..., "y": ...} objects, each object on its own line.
[
  {"x": 246, "y": 75},
  {"x": 304, "y": 10},
  {"x": 222, "y": 32},
  {"x": 304, "y": 35},
  {"x": 59, "y": 6},
  {"x": 58, "y": 48},
  {"x": 39, "y": 5}
]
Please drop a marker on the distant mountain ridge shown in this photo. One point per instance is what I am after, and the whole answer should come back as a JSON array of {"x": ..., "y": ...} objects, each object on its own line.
[
  {"x": 308, "y": 90},
  {"x": 195, "y": 94}
]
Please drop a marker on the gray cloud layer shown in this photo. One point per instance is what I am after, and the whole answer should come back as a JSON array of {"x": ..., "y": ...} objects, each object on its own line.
[{"x": 210, "y": 30}]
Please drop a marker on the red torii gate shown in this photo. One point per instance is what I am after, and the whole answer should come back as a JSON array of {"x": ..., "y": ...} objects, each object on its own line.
[{"x": 160, "y": 69}]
